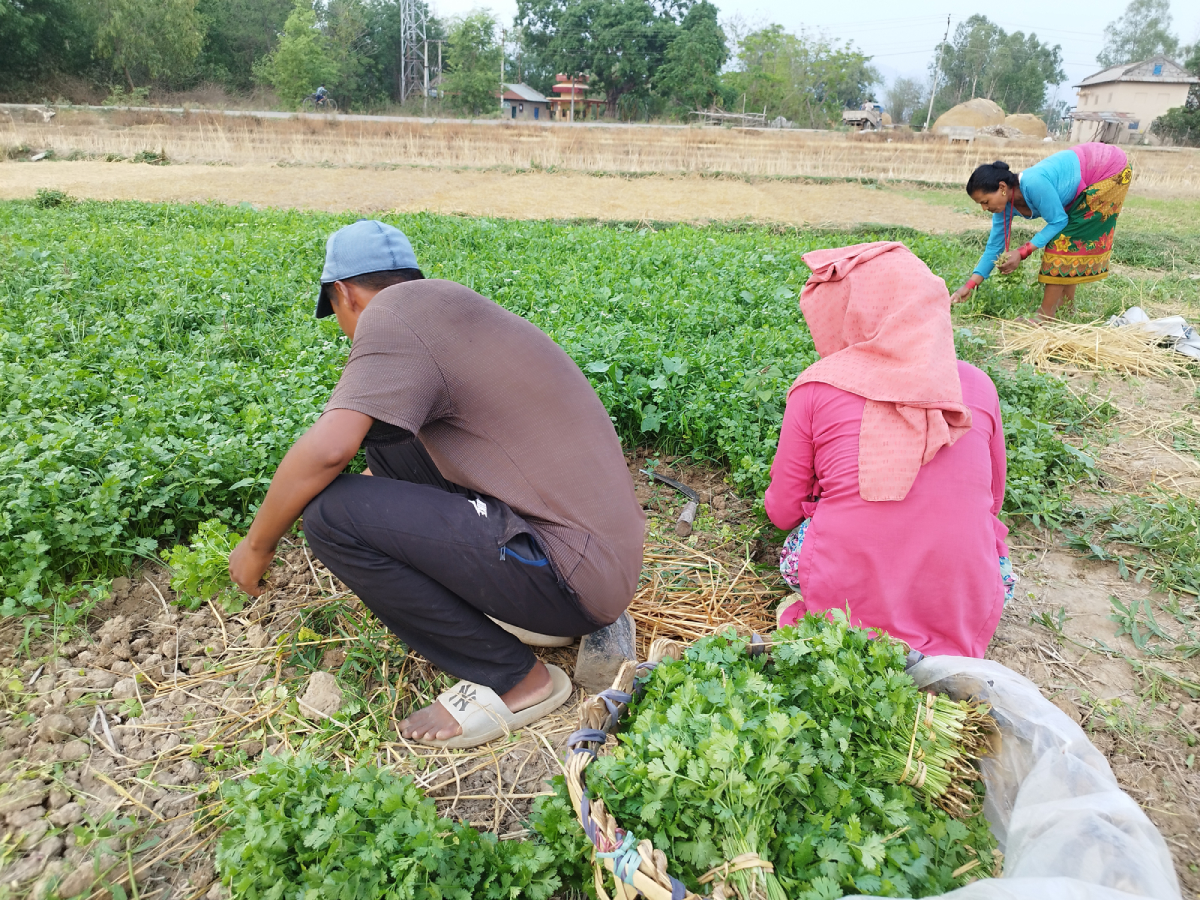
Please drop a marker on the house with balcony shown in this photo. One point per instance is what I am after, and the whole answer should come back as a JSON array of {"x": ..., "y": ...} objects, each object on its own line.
[{"x": 1119, "y": 104}]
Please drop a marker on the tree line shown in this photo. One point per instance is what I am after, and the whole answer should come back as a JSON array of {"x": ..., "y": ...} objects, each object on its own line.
[
  {"x": 130, "y": 46},
  {"x": 646, "y": 58}
]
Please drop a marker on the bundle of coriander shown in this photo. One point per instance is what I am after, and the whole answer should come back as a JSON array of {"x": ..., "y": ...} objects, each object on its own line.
[{"x": 817, "y": 770}]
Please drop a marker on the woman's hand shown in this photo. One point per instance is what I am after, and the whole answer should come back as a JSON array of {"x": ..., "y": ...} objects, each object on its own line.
[
  {"x": 965, "y": 291},
  {"x": 1010, "y": 261}
]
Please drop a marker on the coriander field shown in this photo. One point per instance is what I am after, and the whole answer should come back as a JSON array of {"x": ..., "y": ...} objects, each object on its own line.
[{"x": 158, "y": 360}]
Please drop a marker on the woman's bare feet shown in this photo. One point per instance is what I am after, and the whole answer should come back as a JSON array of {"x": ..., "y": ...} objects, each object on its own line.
[
  {"x": 434, "y": 722},
  {"x": 1036, "y": 321}
]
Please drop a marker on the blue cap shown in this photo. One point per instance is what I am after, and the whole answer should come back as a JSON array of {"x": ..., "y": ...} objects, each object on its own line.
[{"x": 366, "y": 246}]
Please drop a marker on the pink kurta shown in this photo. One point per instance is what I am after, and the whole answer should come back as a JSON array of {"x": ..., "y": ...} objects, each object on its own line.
[{"x": 923, "y": 569}]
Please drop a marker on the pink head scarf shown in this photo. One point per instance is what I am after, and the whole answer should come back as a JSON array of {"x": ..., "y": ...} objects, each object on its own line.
[{"x": 880, "y": 321}]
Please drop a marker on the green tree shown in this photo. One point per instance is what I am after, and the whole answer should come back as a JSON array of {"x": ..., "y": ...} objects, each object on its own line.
[
  {"x": 983, "y": 60},
  {"x": 691, "y": 74},
  {"x": 347, "y": 28},
  {"x": 237, "y": 33},
  {"x": 619, "y": 44},
  {"x": 41, "y": 38},
  {"x": 903, "y": 98},
  {"x": 1143, "y": 31},
  {"x": 532, "y": 63},
  {"x": 472, "y": 79},
  {"x": 804, "y": 78},
  {"x": 152, "y": 39},
  {"x": 302, "y": 61}
]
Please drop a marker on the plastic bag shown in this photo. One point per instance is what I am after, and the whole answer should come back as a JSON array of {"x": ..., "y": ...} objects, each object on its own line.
[
  {"x": 1174, "y": 331},
  {"x": 1066, "y": 828}
]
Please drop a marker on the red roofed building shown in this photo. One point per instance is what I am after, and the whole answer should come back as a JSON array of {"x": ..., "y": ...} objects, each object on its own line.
[{"x": 570, "y": 100}]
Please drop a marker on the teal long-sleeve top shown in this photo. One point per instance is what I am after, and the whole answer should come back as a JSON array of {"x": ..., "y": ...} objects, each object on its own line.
[{"x": 1049, "y": 187}]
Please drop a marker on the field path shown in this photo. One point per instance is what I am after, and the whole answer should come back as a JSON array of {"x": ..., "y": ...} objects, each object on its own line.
[{"x": 529, "y": 195}]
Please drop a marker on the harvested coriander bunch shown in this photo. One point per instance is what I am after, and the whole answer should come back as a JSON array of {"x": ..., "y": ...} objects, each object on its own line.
[{"x": 783, "y": 774}]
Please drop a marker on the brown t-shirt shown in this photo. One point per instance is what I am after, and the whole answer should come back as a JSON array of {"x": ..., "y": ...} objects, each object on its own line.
[{"x": 504, "y": 411}]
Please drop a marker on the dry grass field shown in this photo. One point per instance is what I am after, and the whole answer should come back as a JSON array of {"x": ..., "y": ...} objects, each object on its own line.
[
  {"x": 471, "y": 192},
  {"x": 762, "y": 154}
]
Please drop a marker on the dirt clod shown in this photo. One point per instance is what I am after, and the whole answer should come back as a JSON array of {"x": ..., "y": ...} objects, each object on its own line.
[
  {"x": 67, "y": 815},
  {"x": 25, "y": 817},
  {"x": 44, "y": 887},
  {"x": 56, "y": 728},
  {"x": 73, "y": 751},
  {"x": 23, "y": 795},
  {"x": 86, "y": 875},
  {"x": 34, "y": 861},
  {"x": 322, "y": 696},
  {"x": 257, "y": 637}
]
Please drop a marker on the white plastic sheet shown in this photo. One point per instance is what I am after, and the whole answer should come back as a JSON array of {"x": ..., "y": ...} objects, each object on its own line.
[
  {"x": 1067, "y": 830},
  {"x": 1172, "y": 331}
]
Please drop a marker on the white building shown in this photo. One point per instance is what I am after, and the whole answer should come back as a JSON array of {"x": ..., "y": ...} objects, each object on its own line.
[{"x": 1119, "y": 104}]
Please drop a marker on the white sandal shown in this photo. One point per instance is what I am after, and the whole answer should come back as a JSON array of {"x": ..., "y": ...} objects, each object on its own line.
[
  {"x": 483, "y": 717},
  {"x": 533, "y": 638}
]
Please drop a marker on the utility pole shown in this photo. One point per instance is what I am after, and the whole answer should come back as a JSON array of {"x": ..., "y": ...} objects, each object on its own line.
[
  {"x": 425, "y": 99},
  {"x": 936, "y": 67},
  {"x": 503, "y": 35}
]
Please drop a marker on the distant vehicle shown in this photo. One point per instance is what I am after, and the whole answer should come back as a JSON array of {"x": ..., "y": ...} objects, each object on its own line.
[
  {"x": 869, "y": 118},
  {"x": 314, "y": 103}
]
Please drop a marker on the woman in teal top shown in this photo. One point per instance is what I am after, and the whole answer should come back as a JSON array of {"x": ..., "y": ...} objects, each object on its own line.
[{"x": 1079, "y": 192}]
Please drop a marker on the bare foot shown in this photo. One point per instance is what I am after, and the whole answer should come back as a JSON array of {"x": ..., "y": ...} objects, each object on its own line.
[{"x": 434, "y": 722}]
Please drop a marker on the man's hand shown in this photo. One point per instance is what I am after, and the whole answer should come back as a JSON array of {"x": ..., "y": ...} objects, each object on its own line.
[
  {"x": 314, "y": 461},
  {"x": 1010, "y": 261},
  {"x": 247, "y": 566}
]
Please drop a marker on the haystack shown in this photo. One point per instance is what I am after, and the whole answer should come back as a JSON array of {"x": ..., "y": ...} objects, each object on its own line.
[
  {"x": 977, "y": 113},
  {"x": 887, "y": 119},
  {"x": 1027, "y": 124}
]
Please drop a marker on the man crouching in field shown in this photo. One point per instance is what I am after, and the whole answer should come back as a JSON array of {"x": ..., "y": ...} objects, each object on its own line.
[{"x": 499, "y": 487}]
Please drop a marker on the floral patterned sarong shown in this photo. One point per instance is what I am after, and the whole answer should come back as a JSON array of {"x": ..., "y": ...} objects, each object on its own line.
[
  {"x": 790, "y": 609},
  {"x": 1080, "y": 253}
]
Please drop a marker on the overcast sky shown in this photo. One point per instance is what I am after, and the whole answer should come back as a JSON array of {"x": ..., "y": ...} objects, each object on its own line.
[{"x": 903, "y": 44}]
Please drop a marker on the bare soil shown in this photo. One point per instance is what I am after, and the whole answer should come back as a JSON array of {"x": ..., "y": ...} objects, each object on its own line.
[
  {"x": 1159, "y": 428},
  {"x": 525, "y": 195}
]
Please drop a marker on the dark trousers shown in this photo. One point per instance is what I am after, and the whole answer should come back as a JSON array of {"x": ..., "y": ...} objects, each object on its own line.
[{"x": 427, "y": 557}]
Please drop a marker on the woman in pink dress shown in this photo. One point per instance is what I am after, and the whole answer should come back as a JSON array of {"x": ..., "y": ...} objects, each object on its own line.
[{"x": 890, "y": 468}]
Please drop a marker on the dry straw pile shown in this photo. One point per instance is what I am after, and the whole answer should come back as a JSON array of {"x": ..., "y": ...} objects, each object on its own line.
[{"x": 1130, "y": 350}]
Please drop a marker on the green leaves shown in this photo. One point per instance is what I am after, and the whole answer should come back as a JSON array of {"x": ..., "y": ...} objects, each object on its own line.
[
  {"x": 157, "y": 361},
  {"x": 724, "y": 753},
  {"x": 200, "y": 572},
  {"x": 298, "y": 828}
]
